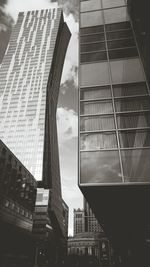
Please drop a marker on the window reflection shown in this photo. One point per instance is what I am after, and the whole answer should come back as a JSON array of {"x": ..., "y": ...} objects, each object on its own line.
[
  {"x": 98, "y": 141},
  {"x": 92, "y": 18},
  {"x": 136, "y": 165},
  {"x": 130, "y": 89},
  {"x": 133, "y": 104},
  {"x": 133, "y": 120},
  {"x": 94, "y": 74},
  {"x": 96, "y": 107},
  {"x": 126, "y": 71},
  {"x": 115, "y": 15},
  {"x": 90, "y": 5},
  {"x": 138, "y": 138},
  {"x": 100, "y": 167},
  {"x": 114, "y": 3},
  {"x": 97, "y": 123},
  {"x": 95, "y": 92}
]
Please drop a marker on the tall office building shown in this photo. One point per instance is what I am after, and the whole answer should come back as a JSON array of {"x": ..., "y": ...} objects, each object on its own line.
[
  {"x": 78, "y": 218},
  {"x": 30, "y": 76},
  {"x": 114, "y": 122},
  {"x": 91, "y": 223}
]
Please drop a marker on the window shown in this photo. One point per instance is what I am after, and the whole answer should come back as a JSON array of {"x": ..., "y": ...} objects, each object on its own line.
[
  {"x": 94, "y": 74},
  {"x": 126, "y": 71},
  {"x": 121, "y": 43},
  {"x": 115, "y": 15},
  {"x": 90, "y": 5},
  {"x": 98, "y": 46},
  {"x": 97, "y": 107},
  {"x": 130, "y": 89},
  {"x": 119, "y": 34},
  {"x": 137, "y": 138},
  {"x": 92, "y": 18},
  {"x": 133, "y": 120},
  {"x": 97, "y": 123},
  {"x": 114, "y": 3},
  {"x": 95, "y": 92},
  {"x": 97, "y": 141},
  {"x": 118, "y": 26},
  {"x": 138, "y": 158},
  {"x": 133, "y": 104},
  {"x": 92, "y": 38},
  {"x": 94, "y": 29},
  {"x": 93, "y": 57},
  {"x": 123, "y": 53},
  {"x": 100, "y": 167}
]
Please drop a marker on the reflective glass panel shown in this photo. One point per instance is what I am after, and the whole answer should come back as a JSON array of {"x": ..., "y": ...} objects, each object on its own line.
[
  {"x": 126, "y": 70},
  {"x": 97, "y": 123},
  {"x": 93, "y": 57},
  {"x": 94, "y": 29},
  {"x": 90, "y": 5},
  {"x": 123, "y": 53},
  {"x": 98, "y": 46},
  {"x": 93, "y": 18},
  {"x": 92, "y": 38},
  {"x": 118, "y": 26},
  {"x": 115, "y": 15},
  {"x": 130, "y": 89},
  {"x": 138, "y": 138},
  {"x": 94, "y": 74},
  {"x": 95, "y": 92},
  {"x": 96, "y": 107},
  {"x": 121, "y": 43},
  {"x": 100, "y": 167},
  {"x": 97, "y": 141},
  {"x": 136, "y": 165},
  {"x": 133, "y": 104},
  {"x": 114, "y": 3},
  {"x": 133, "y": 120}
]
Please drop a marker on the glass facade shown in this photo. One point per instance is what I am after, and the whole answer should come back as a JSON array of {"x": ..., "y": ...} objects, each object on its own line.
[
  {"x": 24, "y": 77},
  {"x": 114, "y": 97}
]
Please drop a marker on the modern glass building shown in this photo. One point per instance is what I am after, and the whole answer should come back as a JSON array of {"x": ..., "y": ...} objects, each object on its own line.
[
  {"x": 114, "y": 98},
  {"x": 114, "y": 123},
  {"x": 30, "y": 77}
]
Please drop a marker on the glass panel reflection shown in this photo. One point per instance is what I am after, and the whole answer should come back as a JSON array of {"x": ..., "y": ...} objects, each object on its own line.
[
  {"x": 90, "y": 5},
  {"x": 93, "y": 47},
  {"x": 133, "y": 120},
  {"x": 136, "y": 165},
  {"x": 133, "y": 104},
  {"x": 96, "y": 107},
  {"x": 94, "y": 74},
  {"x": 115, "y": 15},
  {"x": 100, "y": 167},
  {"x": 93, "y": 18},
  {"x": 97, "y": 123},
  {"x": 126, "y": 71},
  {"x": 114, "y": 3},
  {"x": 138, "y": 138},
  {"x": 130, "y": 89},
  {"x": 97, "y": 141},
  {"x": 95, "y": 92}
]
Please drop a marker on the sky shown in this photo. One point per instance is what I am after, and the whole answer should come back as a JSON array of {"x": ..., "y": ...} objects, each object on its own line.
[{"x": 67, "y": 118}]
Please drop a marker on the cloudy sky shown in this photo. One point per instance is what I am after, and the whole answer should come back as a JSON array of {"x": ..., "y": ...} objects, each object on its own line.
[{"x": 67, "y": 105}]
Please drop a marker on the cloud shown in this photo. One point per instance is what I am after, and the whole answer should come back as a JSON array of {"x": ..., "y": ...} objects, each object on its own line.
[
  {"x": 70, "y": 7},
  {"x": 67, "y": 122},
  {"x": 14, "y": 6}
]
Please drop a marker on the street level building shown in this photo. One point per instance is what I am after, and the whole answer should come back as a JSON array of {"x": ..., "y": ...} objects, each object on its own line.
[
  {"x": 17, "y": 200},
  {"x": 114, "y": 144}
]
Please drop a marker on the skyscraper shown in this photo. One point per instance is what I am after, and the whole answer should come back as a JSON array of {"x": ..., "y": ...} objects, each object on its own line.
[
  {"x": 30, "y": 76},
  {"x": 114, "y": 140}
]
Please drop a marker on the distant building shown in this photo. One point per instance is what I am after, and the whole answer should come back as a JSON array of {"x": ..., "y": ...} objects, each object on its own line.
[
  {"x": 91, "y": 223},
  {"x": 79, "y": 224}
]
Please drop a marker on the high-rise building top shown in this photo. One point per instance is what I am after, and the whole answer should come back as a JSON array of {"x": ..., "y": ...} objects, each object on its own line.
[{"x": 24, "y": 77}]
